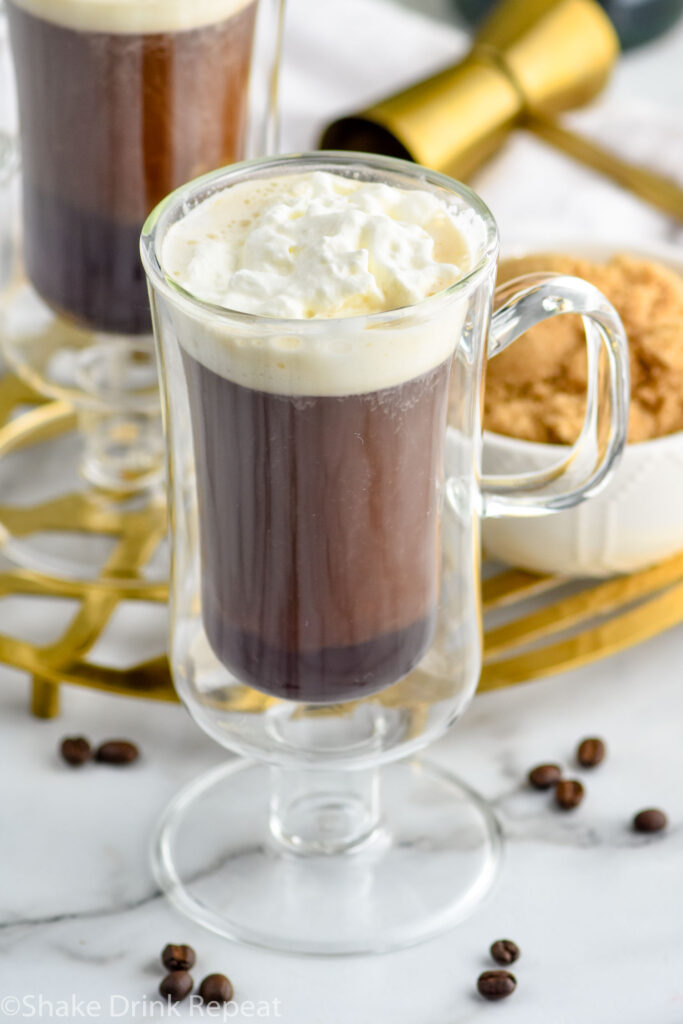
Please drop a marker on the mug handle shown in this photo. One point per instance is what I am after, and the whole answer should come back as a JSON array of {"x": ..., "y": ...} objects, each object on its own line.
[{"x": 591, "y": 460}]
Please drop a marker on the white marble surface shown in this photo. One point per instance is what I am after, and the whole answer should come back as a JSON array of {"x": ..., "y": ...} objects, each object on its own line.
[{"x": 596, "y": 909}]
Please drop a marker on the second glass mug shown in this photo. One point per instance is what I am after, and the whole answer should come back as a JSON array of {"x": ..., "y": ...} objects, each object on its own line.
[
  {"x": 120, "y": 101},
  {"x": 325, "y": 608}
]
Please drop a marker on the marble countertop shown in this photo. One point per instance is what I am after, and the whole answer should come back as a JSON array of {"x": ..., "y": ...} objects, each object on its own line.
[{"x": 596, "y": 909}]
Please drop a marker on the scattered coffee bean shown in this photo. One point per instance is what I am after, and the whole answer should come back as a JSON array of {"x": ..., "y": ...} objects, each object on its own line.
[
  {"x": 504, "y": 951},
  {"x": 178, "y": 958},
  {"x": 496, "y": 984},
  {"x": 216, "y": 989},
  {"x": 176, "y": 986},
  {"x": 117, "y": 752},
  {"x": 569, "y": 794},
  {"x": 75, "y": 750},
  {"x": 591, "y": 752},
  {"x": 545, "y": 775},
  {"x": 651, "y": 820}
]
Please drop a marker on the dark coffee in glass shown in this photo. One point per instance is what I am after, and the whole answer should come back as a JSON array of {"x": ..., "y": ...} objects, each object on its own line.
[
  {"x": 317, "y": 432},
  {"x": 120, "y": 102},
  {"x": 318, "y": 526}
]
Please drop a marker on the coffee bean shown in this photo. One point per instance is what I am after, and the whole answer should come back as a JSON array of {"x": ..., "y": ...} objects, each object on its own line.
[
  {"x": 117, "y": 752},
  {"x": 504, "y": 951},
  {"x": 75, "y": 750},
  {"x": 651, "y": 820},
  {"x": 591, "y": 752},
  {"x": 176, "y": 986},
  {"x": 545, "y": 775},
  {"x": 178, "y": 958},
  {"x": 216, "y": 988},
  {"x": 569, "y": 794},
  {"x": 496, "y": 984}
]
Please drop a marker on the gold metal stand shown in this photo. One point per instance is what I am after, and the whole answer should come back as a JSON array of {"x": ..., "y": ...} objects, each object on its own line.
[
  {"x": 560, "y": 632},
  {"x": 137, "y": 535},
  {"x": 566, "y": 632}
]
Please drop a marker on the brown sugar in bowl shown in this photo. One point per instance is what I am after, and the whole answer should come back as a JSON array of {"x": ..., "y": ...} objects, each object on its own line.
[{"x": 637, "y": 519}]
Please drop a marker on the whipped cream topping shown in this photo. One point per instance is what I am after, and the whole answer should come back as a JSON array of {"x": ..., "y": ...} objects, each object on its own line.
[
  {"x": 132, "y": 16},
  {"x": 318, "y": 245},
  {"x": 314, "y": 247}
]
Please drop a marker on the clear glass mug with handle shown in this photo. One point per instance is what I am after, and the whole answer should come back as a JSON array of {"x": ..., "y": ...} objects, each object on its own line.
[
  {"x": 119, "y": 102},
  {"x": 325, "y": 605}
]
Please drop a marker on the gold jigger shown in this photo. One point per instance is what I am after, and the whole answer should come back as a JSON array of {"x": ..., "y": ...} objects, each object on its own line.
[{"x": 530, "y": 60}]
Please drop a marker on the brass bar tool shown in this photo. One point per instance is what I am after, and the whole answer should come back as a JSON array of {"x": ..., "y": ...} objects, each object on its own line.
[{"x": 529, "y": 61}]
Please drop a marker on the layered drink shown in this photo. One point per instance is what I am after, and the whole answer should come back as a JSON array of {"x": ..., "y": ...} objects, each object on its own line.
[
  {"x": 120, "y": 102},
  {"x": 318, "y": 424}
]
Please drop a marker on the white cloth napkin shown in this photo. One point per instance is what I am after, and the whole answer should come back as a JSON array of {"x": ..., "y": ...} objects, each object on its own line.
[{"x": 340, "y": 55}]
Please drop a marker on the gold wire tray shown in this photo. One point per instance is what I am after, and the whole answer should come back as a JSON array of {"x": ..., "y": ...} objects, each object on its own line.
[{"x": 550, "y": 625}]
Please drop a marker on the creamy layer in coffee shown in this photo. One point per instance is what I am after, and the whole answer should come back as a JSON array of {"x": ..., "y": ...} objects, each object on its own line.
[
  {"x": 120, "y": 102},
  {"x": 318, "y": 447}
]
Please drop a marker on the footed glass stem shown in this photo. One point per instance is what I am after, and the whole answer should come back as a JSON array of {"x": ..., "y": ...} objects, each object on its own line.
[
  {"x": 123, "y": 441},
  {"x": 327, "y": 862}
]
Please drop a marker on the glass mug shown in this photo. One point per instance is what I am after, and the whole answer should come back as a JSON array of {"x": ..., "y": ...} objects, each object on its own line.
[
  {"x": 325, "y": 596},
  {"x": 120, "y": 101},
  {"x": 8, "y": 151}
]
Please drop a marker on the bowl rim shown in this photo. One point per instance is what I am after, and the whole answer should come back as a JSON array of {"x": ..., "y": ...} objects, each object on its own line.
[
  {"x": 506, "y": 441},
  {"x": 538, "y": 241}
]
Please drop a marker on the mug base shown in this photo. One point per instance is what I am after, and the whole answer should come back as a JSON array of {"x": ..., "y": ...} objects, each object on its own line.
[{"x": 429, "y": 862}]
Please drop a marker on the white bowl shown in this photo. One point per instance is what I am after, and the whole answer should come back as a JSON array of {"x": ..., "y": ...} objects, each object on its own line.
[{"x": 635, "y": 521}]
